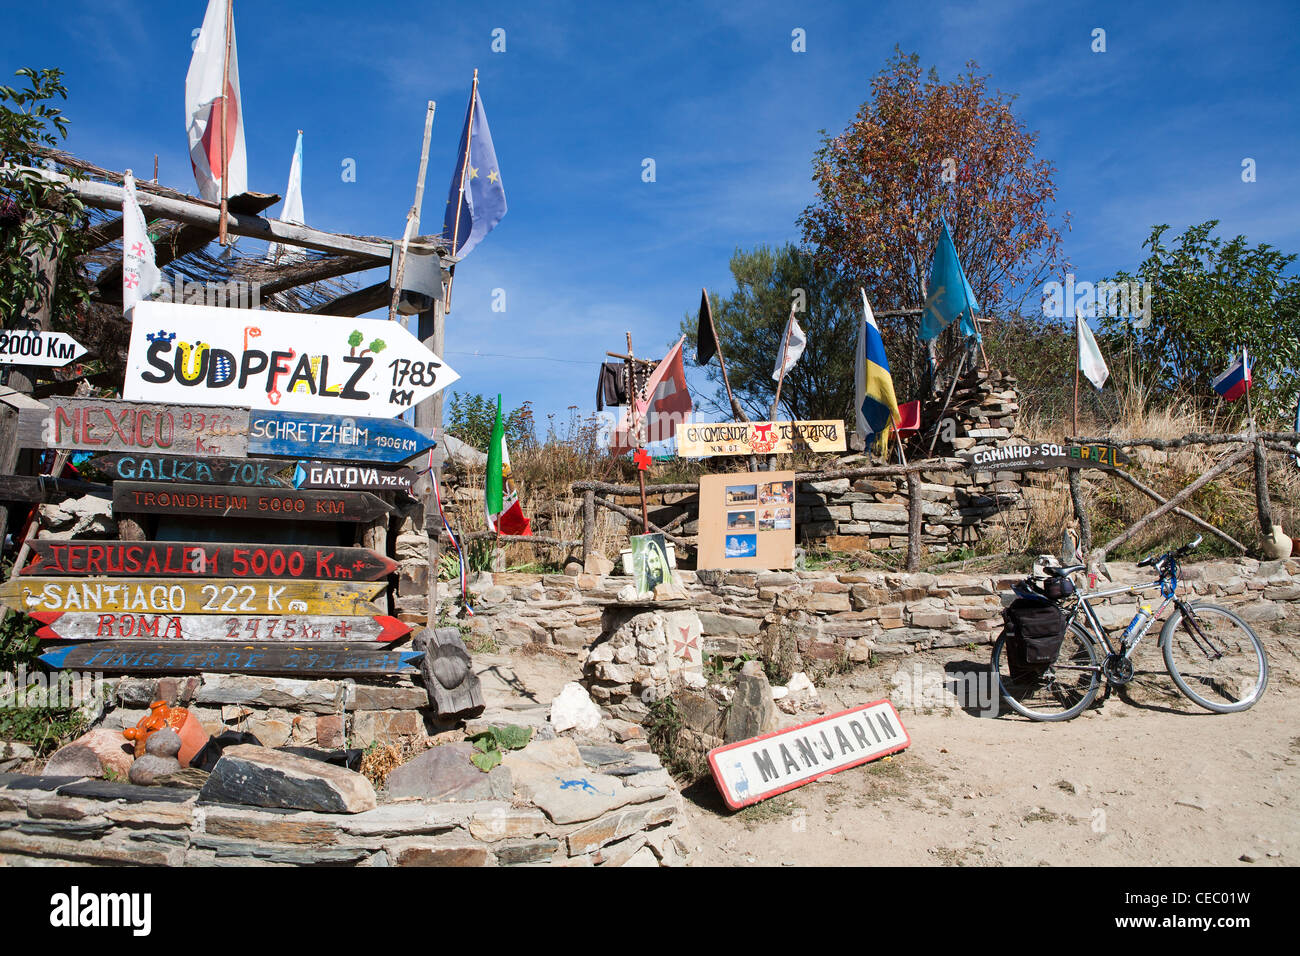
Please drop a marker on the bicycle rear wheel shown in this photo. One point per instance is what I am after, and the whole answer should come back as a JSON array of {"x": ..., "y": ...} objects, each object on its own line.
[
  {"x": 1061, "y": 691},
  {"x": 1214, "y": 657}
]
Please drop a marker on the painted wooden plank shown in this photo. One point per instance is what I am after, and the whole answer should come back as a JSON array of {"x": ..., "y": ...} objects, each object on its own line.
[
  {"x": 224, "y": 501},
  {"x": 171, "y": 658},
  {"x": 761, "y": 767},
  {"x": 179, "y": 559},
  {"x": 142, "y": 466},
  {"x": 61, "y": 626},
  {"x": 1044, "y": 456},
  {"x": 45, "y": 488},
  {"x": 332, "y": 437},
  {"x": 204, "y": 355},
  {"x": 105, "y": 424},
  {"x": 325, "y": 475},
  {"x": 36, "y": 347},
  {"x": 213, "y": 596}
]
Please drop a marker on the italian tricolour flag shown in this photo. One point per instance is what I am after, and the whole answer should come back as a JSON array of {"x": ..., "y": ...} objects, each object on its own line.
[{"x": 501, "y": 505}]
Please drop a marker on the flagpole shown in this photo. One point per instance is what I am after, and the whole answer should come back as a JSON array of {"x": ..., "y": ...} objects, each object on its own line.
[
  {"x": 460, "y": 201},
  {"x": 412, "y": 217},
  {"x": 785, "y": 344},
  {"x": 735, "y": 409},
  {"x": 1078, "y": 360},
  {"x": 225, "y": 114},
  {"x": 634, "y": 430}
]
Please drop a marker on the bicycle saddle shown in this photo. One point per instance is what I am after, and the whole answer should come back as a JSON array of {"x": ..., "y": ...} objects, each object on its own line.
[{"x": 1065, "y": 572}]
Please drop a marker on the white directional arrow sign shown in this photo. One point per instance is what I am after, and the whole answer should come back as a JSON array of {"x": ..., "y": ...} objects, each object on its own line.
[
  {"x": 291, "y": 362},
  {"x": 52, "y": 349}
]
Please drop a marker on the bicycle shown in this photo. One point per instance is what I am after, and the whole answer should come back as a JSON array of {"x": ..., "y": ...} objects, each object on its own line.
[{"x": 1213, "y": 656}]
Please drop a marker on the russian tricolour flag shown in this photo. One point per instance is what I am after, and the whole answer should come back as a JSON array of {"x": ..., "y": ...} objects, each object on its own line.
[{"x": 1233, "y": 383}]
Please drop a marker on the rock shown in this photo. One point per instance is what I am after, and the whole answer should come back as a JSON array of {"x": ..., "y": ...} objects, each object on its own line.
[
  {"x": 627, "y": 593},
  {"x": 146, "y": 770},
  {"x": 260, "y": 777},
  {"x": 554, "y": 754},
  {"x": 74, "y": 760},
  {"x": 598, "y": 565},
  {"x": 446, "y": 773},
  {"x": 113, "y": 751},
  {"x": 574, "y": 709},
  {"x": 752, "y": 712},
  {"x": 317, "y": 696},
  {"x": 574, "y": 796},
  {"x": 163, "y": 743},
  {"x": 623, "y": 730}
]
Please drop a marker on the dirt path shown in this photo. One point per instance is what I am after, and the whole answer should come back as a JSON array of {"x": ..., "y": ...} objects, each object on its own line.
[{"x": 1143, "y": 780}]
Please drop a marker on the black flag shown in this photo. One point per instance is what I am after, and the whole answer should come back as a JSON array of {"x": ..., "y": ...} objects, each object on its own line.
[{"x": 705, "y": 343}]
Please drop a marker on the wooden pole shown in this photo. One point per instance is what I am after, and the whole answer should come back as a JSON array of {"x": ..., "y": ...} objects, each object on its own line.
[
  {"x": 634, "y": 429},
  {"x": 413, "y": 216},
  {"x": 588, "y": 524},
  {"x": 785, "y": 344},
  {"x": 913, "y": 521},
  {"x": 1078, "y": 360},
  {"x": 1181, "y": 512},
  {"x": 961, "y": 361},
  {"x": 225, "y": 113},
  {"x": 460, "y": 200},
  {"x": 155, "y": 168},
  {"x": 735, "y": 405},
  {"x": 1081, "y": 511}
]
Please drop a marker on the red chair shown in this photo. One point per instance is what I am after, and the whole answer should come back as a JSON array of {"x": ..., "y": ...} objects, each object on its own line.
[{"x": 909, "y": 415}]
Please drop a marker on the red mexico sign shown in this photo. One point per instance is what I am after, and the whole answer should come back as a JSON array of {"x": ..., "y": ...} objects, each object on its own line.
[{"x": 755, "y": 769}]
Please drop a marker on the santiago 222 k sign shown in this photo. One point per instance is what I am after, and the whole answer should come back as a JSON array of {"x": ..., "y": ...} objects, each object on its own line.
[{"x": 202, "y": 355}]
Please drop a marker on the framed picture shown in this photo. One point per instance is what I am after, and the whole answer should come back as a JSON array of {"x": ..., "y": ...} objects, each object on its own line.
[
  {"x": 650, "y": 562},
  {"x": 747, "y": 521}
]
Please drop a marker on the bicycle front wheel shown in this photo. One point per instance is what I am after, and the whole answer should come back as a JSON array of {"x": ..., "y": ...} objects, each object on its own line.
[
  {"x": 1061, "y": 691},
  {"x": 1215, "y": 658}
]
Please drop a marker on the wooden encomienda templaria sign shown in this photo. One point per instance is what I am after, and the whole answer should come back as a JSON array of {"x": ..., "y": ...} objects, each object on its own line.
[{"x": 759, "y": 438}]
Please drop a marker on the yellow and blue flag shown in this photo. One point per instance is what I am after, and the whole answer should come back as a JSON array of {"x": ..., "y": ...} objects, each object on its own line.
[
  {"x": 950, "y": 295},
  {"x": 476, "y": 188},
  {"x": 877, "y": 408}
]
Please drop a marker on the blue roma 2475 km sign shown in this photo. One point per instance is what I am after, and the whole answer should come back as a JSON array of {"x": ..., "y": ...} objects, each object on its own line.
[{"x": 202, "y": 355}]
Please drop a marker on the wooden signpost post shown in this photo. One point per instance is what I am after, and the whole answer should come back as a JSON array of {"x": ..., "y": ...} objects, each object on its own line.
[
  {"x": 212, "y": 596},
  {"x": 228, "y": 502},
  {"x": 204, "y": 355},
  {"x": 35, "y": 347},
  {"x": 169, "y": 657},
  {"x": 304, "y": 435},
  {"x": 105, "y": 424},
  {"x": 164, "y": 559},
  {"x": 76, "y": 626}
]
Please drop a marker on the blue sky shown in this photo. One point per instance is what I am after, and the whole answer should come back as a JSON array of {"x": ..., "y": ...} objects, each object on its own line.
[{"x": 1153, "y": 130}]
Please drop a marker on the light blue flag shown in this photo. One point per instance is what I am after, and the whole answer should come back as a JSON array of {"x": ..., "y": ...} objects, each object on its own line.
[
  {"x": 950, "y": 295},
  {"x": 482, "y": 203}
]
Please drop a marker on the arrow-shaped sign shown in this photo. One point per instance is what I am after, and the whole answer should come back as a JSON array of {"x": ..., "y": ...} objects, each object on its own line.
[
  {"x": 180, "y": 559},
  {"x": 194, "y": 596},
  {"x": 196, "y": 354},
  {"x": 173, "y": 657},
  {"x": 52, "y": 349},
  {"x": 305, "y": 435},
  {"x": 59, "y": 626},
  {"x": 325, "y": 476},
  {"x": 225, "y": 501}
]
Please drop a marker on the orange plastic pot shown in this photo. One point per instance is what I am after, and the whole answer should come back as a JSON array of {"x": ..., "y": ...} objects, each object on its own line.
[{"x": 187, "y": 726}]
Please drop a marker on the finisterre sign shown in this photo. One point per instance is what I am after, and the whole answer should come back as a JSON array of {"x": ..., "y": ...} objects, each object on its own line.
[
  {"x": 758, "y": 438},
  {"x": 203, "y": 355},
  {"x": 755, "y": 769},
  {"x": 1044, "y": 456}
]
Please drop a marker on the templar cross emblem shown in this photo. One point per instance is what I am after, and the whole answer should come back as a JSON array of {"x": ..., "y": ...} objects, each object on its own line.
[{"x": 688, "y": 648}]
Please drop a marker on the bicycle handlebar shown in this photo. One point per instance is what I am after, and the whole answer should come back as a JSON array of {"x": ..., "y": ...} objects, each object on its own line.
[{"x": 1162, "y": 560}]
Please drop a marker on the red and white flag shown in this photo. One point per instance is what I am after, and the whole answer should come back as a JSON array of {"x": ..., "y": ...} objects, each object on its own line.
[
  {"x": 206, "y": 99},
  {"x": 667, "y": 402},
  {"x": 140, "y": 276}
]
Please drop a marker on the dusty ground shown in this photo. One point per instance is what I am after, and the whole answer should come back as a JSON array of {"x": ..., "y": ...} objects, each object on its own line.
[{"x": 1145, "y": 779}]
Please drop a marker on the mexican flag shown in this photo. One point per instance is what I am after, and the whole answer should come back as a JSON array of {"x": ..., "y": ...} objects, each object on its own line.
[{"x": 504, "y": 516}]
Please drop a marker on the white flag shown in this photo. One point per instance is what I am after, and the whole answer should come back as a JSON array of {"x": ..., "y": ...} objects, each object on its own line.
[
  {"x": 1091, "y": 363},
  {"x": 292, "y": 209},
  {"x": 140, "y": 277},
  {"x": 205, "y": 98},
  {"x": 794, "y": 341}
]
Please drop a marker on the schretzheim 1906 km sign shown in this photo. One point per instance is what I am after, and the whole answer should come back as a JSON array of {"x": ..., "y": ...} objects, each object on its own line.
[{"x": 202, "y": 355}]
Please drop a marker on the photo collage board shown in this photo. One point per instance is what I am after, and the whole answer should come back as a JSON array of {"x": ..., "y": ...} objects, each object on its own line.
[{"x": 747, "y": 520}]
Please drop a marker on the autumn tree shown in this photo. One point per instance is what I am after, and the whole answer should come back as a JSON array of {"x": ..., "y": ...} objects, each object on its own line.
[{"x": 920, "y": 148}]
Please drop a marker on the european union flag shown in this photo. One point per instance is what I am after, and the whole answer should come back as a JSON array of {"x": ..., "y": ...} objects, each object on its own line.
[
  {"x": 476, "y": 188},
  {"x": 949, "y": 293}
]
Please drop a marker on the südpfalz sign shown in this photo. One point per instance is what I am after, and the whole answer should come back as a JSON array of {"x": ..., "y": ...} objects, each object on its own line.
[
  {"x": 202, "y": 355},
  {"x": 755, "y": 769},
  {"x": 758, "y": 438},
  {"x": 1044, "y": 456}
]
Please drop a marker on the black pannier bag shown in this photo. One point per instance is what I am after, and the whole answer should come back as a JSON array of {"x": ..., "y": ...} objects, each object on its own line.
[{"x": 1035, "y": 630}]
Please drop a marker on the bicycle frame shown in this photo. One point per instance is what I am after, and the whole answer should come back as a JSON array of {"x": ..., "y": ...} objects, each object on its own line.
[{"x": 1092, "y": 624}]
